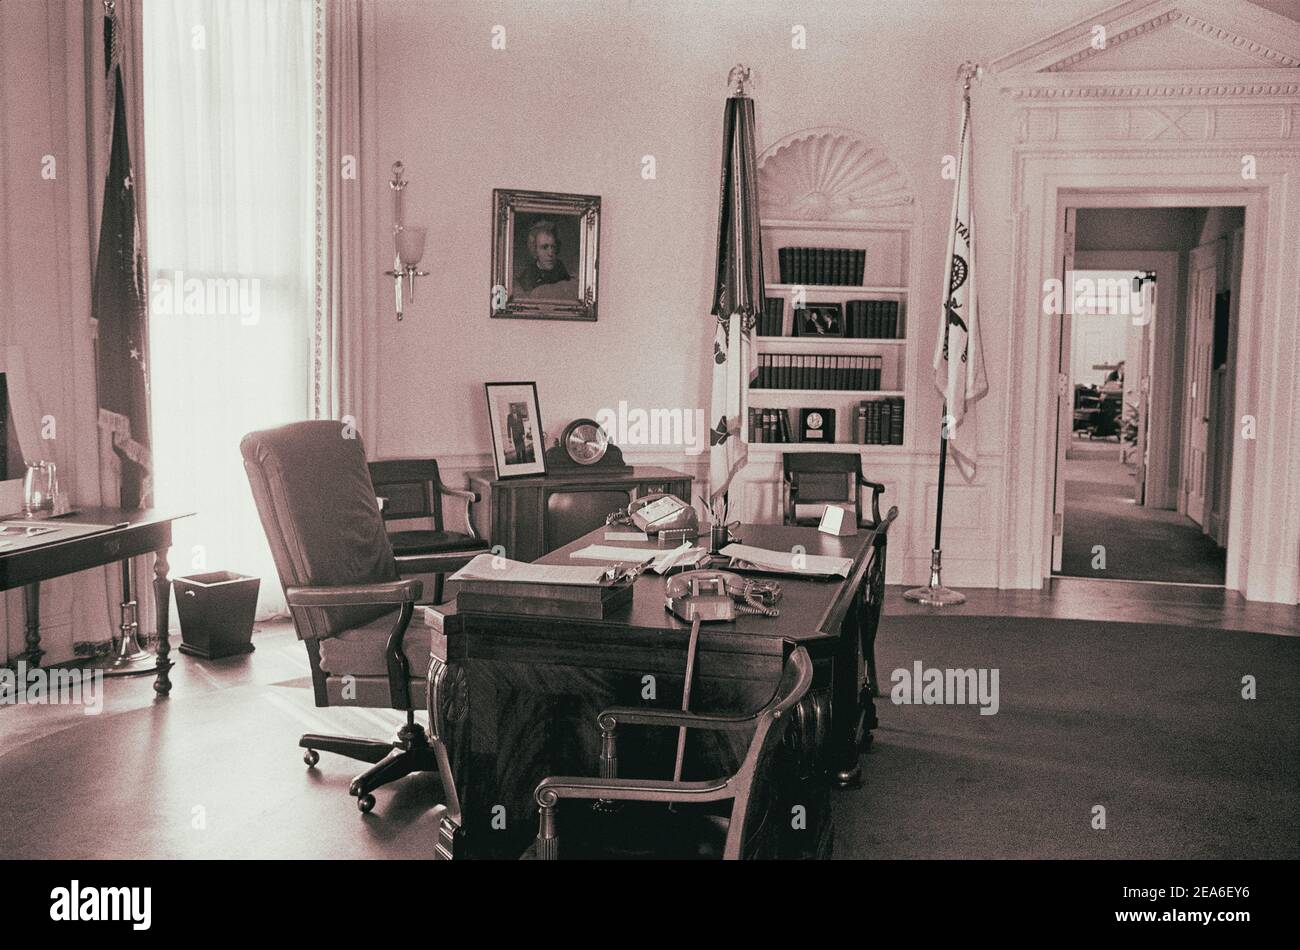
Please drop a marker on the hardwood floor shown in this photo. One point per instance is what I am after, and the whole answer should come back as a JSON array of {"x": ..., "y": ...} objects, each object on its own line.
[{"x": 1073, "y": 598}]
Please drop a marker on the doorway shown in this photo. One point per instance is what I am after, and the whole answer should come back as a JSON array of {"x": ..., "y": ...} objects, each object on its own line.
[{"x": 1145, "y": 383}]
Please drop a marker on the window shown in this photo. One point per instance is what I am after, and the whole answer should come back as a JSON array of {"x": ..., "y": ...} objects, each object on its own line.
[{"x": 230, "y": 204}]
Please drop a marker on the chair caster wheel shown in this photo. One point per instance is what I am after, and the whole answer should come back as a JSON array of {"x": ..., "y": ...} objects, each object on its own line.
[
  {"x": 311, "y": 757},
  {"x": 365, "y": 803}
]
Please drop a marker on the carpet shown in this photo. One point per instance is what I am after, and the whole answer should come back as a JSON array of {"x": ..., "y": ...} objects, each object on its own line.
[
  {"x": 1141, "y": 544},
  {"x": 1146, "y": 721}
]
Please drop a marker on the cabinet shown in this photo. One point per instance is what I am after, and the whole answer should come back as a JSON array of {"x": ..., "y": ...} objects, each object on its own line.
[{"x": 529, "y": 517}]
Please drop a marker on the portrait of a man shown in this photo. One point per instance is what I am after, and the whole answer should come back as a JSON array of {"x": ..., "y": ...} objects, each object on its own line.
[
  {"x": 519, "y": 447},
  {"x": 544, "y": 255}
]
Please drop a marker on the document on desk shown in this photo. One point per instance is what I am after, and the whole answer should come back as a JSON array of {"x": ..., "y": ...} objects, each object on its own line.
[
  {"x": 787, "y": 562},
  {"x": 683, "y": 555},
  {"x": 489, "y": 567}
]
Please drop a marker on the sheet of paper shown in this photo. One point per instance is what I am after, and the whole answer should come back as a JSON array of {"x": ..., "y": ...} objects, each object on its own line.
[
  {"x": 489, "y": 567},
  {"x": 787, "y": 561},
  {"x": 626, "y": 536}
]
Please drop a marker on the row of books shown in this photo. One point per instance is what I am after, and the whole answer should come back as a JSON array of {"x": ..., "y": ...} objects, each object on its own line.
[
  {"x": 879, "y": 422},
  {"x": 826, "y": 266},
  {"x": 771, "y": 320},
  {"x": 797, "y": 371},
  {"x": 769, "y": 425},
  {"x": 872, "y": 319}
]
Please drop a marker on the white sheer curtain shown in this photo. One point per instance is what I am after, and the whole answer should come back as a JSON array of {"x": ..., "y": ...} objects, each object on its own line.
[{"x": 230, "y": 147}]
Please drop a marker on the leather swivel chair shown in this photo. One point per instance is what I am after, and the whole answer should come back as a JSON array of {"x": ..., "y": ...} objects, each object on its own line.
[
  {"x": 367, "y": 642},
  {"x": 644, "y": 825}
]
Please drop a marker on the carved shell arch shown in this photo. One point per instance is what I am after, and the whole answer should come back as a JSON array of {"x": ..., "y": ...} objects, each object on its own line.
[{"x": 832, "y": 174}]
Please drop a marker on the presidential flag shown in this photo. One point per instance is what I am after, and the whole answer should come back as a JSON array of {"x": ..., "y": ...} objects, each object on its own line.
[
  {"x": 120, "y": 310},
  {"x": 958, "y": 359}
]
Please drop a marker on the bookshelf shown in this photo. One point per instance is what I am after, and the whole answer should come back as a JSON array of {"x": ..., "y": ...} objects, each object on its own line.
[{"x": 837, "y": 239}]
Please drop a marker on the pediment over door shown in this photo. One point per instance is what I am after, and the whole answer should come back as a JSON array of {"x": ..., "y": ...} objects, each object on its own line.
[{"x": 1146, "y": 48}]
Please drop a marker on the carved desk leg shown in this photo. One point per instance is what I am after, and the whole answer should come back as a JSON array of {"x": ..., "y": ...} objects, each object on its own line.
[
  {"x": 32, "y": 608},
  {"x": 162, "y": 592}
]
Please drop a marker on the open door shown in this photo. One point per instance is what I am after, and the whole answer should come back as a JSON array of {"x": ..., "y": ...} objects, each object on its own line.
[
  {"x": 1064, "y": 395},
  {"x": 1200, "y": 355}
]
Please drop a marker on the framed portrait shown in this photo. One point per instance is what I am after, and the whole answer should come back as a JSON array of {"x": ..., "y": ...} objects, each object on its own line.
[
  {"x": 545, "y": 248},
  {"x": 819, "y": 319},
  {"x": 516, "y": 425}
]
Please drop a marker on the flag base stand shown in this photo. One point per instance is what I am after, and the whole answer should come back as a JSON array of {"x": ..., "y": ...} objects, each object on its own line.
[{"x": 935, "y": 594}]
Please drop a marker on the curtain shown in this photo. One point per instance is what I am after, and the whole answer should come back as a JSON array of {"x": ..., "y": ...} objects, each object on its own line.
[
  {"x": 345, "y": 221},
  {"x": 232, "y": 224}
]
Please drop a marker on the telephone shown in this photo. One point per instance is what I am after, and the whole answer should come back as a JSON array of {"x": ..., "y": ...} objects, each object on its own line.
[
  {"x": 720, "y": 595},
  {"x": 657, "y": 512}
]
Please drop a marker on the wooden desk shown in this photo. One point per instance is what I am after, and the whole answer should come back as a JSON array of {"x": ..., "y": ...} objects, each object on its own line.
[
  {"x": 534, "y": 687},
  {"x": 133, "y": 533}
]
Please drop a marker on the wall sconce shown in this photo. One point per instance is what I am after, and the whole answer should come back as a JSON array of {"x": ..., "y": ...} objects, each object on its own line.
[{"x": 409, "y": 243}]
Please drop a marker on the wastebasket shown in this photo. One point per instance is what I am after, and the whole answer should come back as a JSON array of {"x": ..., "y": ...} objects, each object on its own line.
[{"x": 216, "y": 612}]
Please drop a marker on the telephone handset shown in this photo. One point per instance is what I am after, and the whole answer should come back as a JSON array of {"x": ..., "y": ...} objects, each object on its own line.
[
  {"x": 657, "y": 512},
  {"x": 720, "y": 595}
]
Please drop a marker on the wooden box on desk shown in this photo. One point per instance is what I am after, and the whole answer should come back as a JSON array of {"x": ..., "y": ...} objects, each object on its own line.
[{"x": 542, "y": 600}]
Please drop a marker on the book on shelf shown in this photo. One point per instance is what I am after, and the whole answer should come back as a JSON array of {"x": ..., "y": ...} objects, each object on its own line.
[
  {"x": 771, "y": 320},
  {"x": 872, "y": 319},
  {"x": 879, "y": 422},
  {"x": 808, "y": 371},
  {"x": 769, "y": 425},
  {"x": 822, "y": 266}
]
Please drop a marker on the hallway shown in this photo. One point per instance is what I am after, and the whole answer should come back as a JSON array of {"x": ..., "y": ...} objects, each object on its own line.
[{"x": 1140, "y": 543}]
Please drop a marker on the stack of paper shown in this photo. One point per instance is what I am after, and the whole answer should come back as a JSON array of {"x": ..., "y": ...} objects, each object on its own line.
[
  {"x": 789, "y": 562},
  {"x": 489, "y": 567},
  {"x": 683, "y": 556}
]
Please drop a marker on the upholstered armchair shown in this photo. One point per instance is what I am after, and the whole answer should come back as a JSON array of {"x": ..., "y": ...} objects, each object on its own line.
[
  {"x": 367, "y": 642},
  {"x": 645, "y": 822}
]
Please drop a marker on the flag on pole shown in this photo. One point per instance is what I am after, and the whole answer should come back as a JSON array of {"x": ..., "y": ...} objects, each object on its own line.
[
  {"x": 958, "y": 357},
  {"x": 119, "y": 308},
  {"x": 737, "y": 293}
]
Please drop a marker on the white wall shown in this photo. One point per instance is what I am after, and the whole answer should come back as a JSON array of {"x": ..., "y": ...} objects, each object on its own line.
[{"x": 578, "y": 96}]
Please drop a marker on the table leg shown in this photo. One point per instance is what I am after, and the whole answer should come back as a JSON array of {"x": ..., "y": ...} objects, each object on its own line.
[
  {"x": 162, "y": 592},
  {"x": 32, "y": 609}
]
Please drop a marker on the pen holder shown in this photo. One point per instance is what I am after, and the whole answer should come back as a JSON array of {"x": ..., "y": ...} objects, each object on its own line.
[{"x": 719, "y": 538}]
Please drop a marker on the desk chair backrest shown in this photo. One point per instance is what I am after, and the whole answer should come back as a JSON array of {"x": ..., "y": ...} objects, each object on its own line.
[
  {"x": 317, "y": 506},
  {"x": 754, "y": 828},
  {"x": 822, "y": 478},
  {"x": 409, "y": 488}
]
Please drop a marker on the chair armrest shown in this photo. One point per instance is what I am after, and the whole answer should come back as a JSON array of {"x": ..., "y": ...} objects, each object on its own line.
[
  {"x": 612, "y": 718},
  {"x": 469, "y": 497},
  {"x": 551, "y": 789},
  {"x": 352, "y": 595},
  {"x": 877, "y": 490}
]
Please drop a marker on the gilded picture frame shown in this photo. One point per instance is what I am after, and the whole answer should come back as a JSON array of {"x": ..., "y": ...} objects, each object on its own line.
[{"x": 545, "y": 252}]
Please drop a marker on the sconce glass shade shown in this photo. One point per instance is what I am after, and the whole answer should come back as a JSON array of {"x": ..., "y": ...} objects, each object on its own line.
[{"x": 410, "y": 245}]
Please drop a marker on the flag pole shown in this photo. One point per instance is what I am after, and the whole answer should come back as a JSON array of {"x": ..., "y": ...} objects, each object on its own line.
[{"x": 935, "y": 594}]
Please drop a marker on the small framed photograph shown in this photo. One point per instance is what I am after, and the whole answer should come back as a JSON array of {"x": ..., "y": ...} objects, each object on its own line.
[
  {"x": 544, "y": 254},
  {"x": 819, "y": 319},
  {"x": 516, "y": 425}
]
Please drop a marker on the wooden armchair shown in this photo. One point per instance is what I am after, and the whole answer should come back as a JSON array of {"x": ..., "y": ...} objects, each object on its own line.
[
  {"x": 650, "y": 827},
  {"x": 411, "y": 489},
  {"x": 818, "y": 479}
]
